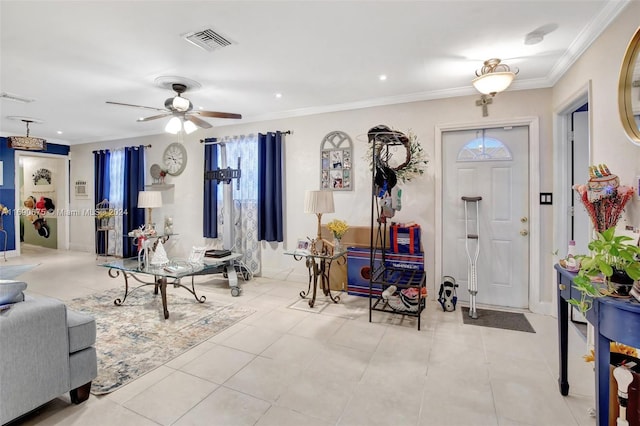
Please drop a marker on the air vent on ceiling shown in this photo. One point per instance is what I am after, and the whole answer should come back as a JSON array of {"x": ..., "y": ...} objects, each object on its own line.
[
  {"x": 15, "y": 98},
  {"x": 208, "y": 40}
]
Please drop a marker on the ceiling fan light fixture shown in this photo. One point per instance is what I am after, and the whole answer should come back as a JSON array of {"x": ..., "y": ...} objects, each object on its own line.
[
  {"x": 173, "y": 126},
  {"x": 181, "y": 104},
  {"x": 189, "y": 127},
  {"x": 494, "y": 77}
]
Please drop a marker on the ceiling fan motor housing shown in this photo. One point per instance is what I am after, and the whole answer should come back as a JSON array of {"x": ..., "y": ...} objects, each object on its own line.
[{"x": 178, "y": 104}]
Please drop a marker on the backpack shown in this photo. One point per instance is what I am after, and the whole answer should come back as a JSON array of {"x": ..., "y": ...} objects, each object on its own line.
[{"x": 447, "y": 294}]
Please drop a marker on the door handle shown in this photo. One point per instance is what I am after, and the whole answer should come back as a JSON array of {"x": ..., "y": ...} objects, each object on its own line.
[
  {"x": 524, "y": 232},
  {"x": 524, "y": 219}
]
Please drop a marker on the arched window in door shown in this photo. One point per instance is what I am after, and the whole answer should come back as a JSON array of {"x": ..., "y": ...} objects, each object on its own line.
[{"x": 484, "y": 149}]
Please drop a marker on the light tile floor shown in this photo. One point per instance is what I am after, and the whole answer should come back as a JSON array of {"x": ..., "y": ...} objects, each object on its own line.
[{"x": 282, "y": 366}]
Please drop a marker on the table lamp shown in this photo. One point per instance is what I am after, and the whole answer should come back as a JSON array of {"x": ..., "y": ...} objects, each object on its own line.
[
  {"x": 149, "y": 200},
  {"x": 318, "y": 202}
]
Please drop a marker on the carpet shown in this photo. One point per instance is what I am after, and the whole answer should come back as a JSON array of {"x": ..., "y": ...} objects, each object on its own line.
[
  {"x": 498, "y": 319},
  {"x": 134, "y": 338},
  {"x": 11, "y": 272}
]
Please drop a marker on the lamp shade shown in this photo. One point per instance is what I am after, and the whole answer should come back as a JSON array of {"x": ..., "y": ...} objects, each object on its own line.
[
  {"x": 173, "y": 126},
  {"x": 189, "y": 127},
  {"x": 149, "y": 199},
  {"x": 318, "y": 202},
  {"x": 494, "y": 82}
]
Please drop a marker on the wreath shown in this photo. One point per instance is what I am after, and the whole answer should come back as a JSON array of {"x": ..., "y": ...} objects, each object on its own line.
[{"x": 415, "y": 160}]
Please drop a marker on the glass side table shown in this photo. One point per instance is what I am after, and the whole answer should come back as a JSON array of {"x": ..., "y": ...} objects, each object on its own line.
[{"x": 319, "y": 267}]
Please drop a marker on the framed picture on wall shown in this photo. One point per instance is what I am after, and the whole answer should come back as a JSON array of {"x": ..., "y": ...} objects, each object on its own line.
[{"x": 336, "y": 162}]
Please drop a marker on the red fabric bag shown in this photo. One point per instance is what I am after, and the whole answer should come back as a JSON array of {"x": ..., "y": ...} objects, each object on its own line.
[{"x": 405, "y": 239}]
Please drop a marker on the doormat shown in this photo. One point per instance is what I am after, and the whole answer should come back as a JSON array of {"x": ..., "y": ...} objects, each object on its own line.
[
  {"x": 134, "y": 338},
  {"x": 498, "y": 319},
  {"x": 303, "y": 305}
]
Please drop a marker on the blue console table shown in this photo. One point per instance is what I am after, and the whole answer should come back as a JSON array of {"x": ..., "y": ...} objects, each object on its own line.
[{"x": 613, "y": 319}]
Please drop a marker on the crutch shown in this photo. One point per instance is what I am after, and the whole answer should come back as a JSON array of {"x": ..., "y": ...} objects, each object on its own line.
[{"x": 472, "y": 272}]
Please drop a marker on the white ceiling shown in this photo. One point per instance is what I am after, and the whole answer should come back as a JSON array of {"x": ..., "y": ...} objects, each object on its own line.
[{"x": 72, "y": 56}]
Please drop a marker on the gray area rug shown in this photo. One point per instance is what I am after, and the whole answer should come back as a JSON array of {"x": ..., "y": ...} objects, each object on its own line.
[
  {"x": 498, "y": 319},
  {"x": 11, "y": 272},
  {"x": 134, "y": 338}
]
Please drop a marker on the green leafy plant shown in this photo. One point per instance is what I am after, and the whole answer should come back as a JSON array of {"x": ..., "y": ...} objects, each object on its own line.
[{"x": 609, "y": 253}]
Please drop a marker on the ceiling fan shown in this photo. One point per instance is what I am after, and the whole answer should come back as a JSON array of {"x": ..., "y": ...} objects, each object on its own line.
[{"x": 181, "y": 111}]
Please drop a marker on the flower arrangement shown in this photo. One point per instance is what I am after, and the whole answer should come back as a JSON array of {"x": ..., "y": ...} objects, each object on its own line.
[
  {"x": 338, "y": 228},
  {"x": 106, "y": 214},
  {"x": 415, "y": 161},
  {"x": 614, "y": 347},
  {"x": 3, "y": 210}
]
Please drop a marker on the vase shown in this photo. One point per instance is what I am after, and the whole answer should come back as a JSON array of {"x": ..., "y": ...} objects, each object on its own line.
[
  {"x": 337, "y": 246},
  {"x": 104, "y": 222},
  {"x": 621, "y": 282}
]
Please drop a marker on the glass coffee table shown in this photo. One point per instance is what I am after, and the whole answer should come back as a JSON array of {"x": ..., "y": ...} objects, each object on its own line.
[{"x": 171, "y": 274}]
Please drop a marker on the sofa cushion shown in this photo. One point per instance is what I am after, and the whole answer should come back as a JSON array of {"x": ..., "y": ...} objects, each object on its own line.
[
  {"x": 82, "y": 330},
  {"x": 11, "y": 291}
]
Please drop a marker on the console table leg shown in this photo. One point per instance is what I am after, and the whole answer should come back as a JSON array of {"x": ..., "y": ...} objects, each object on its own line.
[
  {"x": 563, "y": 344},
  {"x": 602, "y": 350}
]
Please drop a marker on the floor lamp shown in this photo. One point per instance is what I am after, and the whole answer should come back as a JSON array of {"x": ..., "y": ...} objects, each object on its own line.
[{"x": 318, "y": 202}]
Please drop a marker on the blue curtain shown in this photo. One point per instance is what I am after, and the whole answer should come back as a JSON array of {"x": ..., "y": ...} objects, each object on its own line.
[
  {"x": 210, "y": 205},
  {"x": 101, "y": 190},
  {"x": 133, "y": 183},
  {"x": 270, "y": 187}
]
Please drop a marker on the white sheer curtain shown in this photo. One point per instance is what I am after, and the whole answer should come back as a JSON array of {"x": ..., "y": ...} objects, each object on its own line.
[
  {"x": 116, "y": 199},
  {"x": 245, "y": 199}
]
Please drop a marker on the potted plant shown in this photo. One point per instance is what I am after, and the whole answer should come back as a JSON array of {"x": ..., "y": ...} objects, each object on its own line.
[{"x": 614, "y": 260}]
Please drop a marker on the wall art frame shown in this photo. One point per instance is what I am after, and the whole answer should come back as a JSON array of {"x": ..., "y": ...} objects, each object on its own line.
[{"x": 336, "y": 162}]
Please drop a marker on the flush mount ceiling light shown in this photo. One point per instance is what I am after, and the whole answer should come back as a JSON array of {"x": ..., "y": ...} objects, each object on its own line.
[{"x": 494, "y": 77}]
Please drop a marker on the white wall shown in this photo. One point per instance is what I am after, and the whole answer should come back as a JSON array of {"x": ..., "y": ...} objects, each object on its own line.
[
  {"x": 600, "y": 65},
  {"x": 302, "y": 158}
]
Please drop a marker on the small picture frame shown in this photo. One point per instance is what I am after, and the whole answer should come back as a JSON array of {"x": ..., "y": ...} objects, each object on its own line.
[
  {"x": 197, "y": 255},
  {"x": 303, "y": 246}
]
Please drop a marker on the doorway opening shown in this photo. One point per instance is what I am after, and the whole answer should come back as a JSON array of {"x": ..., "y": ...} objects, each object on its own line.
[{"x": 42, "y": 198}]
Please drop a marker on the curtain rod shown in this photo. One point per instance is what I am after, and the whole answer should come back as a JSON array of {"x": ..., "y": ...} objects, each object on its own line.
[
  {"x": 220, "y": 140},
  {"x": 108, "y": 149}
]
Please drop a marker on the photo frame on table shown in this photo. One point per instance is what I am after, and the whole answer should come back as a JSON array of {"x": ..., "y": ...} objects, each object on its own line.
[
  {"x": 303, "y": 246},
  {"x": 197, "y": 255}
]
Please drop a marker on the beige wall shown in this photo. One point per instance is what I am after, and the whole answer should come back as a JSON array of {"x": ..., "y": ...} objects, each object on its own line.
[
  {"x": 598, "y": 66},
  {"x": 302, "y": 151}
]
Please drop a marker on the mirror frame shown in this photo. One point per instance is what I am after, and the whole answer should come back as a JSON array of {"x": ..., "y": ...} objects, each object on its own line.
[{"x": 631, "y": 56}]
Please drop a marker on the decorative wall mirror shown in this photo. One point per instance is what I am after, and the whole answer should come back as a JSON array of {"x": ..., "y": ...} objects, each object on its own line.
[
  {"x": 336, "y": 162},
  {"x": 629, "y": 90}
]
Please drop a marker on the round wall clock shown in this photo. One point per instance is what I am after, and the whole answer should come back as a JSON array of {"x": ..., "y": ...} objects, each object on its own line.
[{"x": 175, "y": 158}]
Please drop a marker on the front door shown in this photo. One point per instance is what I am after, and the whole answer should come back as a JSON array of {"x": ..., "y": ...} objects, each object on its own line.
[{"x": 492, "y": 164}]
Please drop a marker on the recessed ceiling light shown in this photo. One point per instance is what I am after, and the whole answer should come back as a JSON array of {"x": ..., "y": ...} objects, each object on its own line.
[
  {"x": 200, "y": 107},
  {"x": 382, "y": 77},
  {"x": 59, "y": 132},
  {"x": 278, "y": 95}
]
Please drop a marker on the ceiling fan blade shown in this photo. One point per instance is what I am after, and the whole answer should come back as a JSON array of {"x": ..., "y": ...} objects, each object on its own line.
[
  {"x": 135, "y": 106},
  {"x": 198, "y": 122},
  {"x": 217, "y": 114},
  {"x": 154, "y": 117}
]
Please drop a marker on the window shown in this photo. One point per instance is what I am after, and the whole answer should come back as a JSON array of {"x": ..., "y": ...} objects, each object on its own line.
[{"x": 484, "y": 149}]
